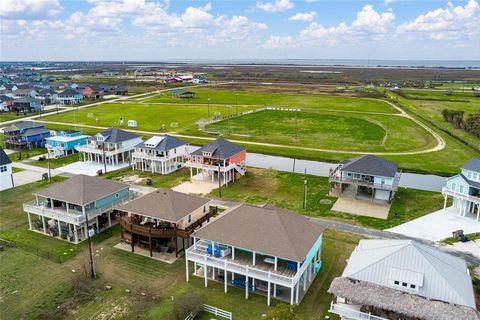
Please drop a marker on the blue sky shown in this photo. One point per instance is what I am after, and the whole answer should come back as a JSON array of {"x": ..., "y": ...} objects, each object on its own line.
[{"x": 263, "y": 29}]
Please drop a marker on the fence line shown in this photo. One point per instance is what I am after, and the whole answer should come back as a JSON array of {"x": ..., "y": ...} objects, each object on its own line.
[{"x": 210, "y": 309}]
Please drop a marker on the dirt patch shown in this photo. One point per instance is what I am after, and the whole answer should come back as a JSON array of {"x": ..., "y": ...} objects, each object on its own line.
[
  {"x": 132, "y": 179},
  {"x": 325, "y": 201}
]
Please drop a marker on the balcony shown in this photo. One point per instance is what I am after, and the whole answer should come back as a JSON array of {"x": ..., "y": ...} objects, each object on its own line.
[
  {"x": 351, "y": 314},
  {"x": 93, "y": 148},
  {"x": 462, "y": 196},
  {"x": 336, "y": 177},
  {"x": 242, "y": 264},
  {"x": 149, "y": 156}
]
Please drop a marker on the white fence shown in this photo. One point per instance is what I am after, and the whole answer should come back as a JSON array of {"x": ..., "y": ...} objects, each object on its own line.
[{"x": 210, "y": 309}]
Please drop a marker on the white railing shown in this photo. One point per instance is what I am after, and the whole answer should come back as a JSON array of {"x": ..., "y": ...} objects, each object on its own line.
[
  {"x": 348, "y": 313},
  {"x": 98, "y": 150},
  {"x": 460, "y": 195},
  {"x": 366, "y": 183},
  {"x": 210, "y": 309},
  {"x": 245, "y": 270},
  {"x": 212, "y": 167}
]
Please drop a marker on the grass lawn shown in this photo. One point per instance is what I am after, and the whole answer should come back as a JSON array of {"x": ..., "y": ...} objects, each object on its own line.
[
  {"x": 256, "y": 98},
  {"x": 329, "y": 130},
  {"x": 57, "y": 162},
  {"x": 285, "y": 190},
  {"x": 158, "y": 181},
  {"x": 28, "y": 153}
]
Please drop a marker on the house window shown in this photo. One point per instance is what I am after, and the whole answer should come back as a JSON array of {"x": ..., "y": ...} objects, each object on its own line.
[
  {"x": 117, "y": 195},
  {"x": 396, "y": 282},
  {"x": 412, "y": 286},
  {"x": 189, "y": 218},
  {"x": 474, "y": 176},
  {"x": 3, "y": 169},
  {"x": 349, "y": 174},
  {"x": 175, "y": 151},
  {"x": 383, "y": 180},
  {"x": 469, "y": 174},
  {"x": 454, "y": 186},
  {"x": 461, "y": 188},
  {"x": 404, "y": 284},
  {"x": 204, "y": 209}
]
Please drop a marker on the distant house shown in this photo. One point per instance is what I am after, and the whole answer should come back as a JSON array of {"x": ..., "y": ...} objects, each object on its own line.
[
  {"x": 164, "y": 220},
  {"x": 26, "y": 104},
  {"x": 93, "y": 92},
  {"x": 10, "y": 86},
  {"x": 114, "y": 146},
  {"x": 63, "y": 143},
  {"x": 24, "y": 135},
  {"x": 6, "y": 103},
  {"x": 219, "y": 159},
  {"x": 121, "y": 90},
  {"x": 366, "y": 177},
  {"x": 464, "y": 188},
  {"x": 265, "y": 250},
  {"x": 70, "y": 96},
  {"x": 6, "y": 176},
  {"x": 48, "y": 96},
  {"x": 21, "y": 93},
  {"x": 160, "y": 154},
  {"x": 62, "y": 209},
  {"x": 403, "y": 279}
]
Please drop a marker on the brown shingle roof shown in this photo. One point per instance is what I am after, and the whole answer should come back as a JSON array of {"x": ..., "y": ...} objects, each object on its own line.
[
  {"x": 268, "y": 230},
  {"x": 82, "y": 189},
  {"x": 165, "y": 204}
]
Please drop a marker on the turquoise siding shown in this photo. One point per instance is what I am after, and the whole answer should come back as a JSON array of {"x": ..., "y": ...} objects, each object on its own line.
[
  {"x": 109, "y": 200},
  {"x": 313, "y": 250}
]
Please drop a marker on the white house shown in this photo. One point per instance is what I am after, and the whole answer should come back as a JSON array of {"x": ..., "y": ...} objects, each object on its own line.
[
  {"x": 464, "y": 188},
  {"x": 112, "y": 146},
  {"x": 160, "y": 154},
  {"x": 403, "y": 279},
  {"x": 6, "y": 176}
]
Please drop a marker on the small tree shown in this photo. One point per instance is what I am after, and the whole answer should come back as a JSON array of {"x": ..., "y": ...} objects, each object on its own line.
[
  {"x": 282, "y": 311},
  {"x": 449, "y": 92},
  {"x": 187, "y": 303}
]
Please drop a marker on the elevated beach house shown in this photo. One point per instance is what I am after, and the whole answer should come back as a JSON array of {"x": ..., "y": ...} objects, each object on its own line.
[
  {"x": 265, "y": 250},
  {"x": 63, "y": 143},
  {"x": 114, "y": 146},
  {"x": 403, "y": 279},
  {"x": 70, "y": 209},
  {"x": 70, "y": 96},
  {"x": 6, "y": 176},
  {"x": 25, "y": 135},
  {"x": 464, "y": 188},
  {"x": 365, "y": 177},
  {"x": 162, "y": 221},
  {"x": 160, "y": 154},
  {"x": 220, "y": 159}
]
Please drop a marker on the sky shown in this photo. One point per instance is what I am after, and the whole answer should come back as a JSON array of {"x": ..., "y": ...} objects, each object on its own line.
[{"x": 148, "y": 30}]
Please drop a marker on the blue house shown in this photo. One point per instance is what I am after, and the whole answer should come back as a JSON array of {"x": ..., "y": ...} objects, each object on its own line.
[
  {"x": 76, "y": 208},
  {"x": 26, "y": 104},
  {"x": 69, "y": 96},
  {"x": 25, "y": 135},
  {"x": 63, "y": 143},
  {"x": 464, "y": 188},
  {"x": 366, "y": 177}
]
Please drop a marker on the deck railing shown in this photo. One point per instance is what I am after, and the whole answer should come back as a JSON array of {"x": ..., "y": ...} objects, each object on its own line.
[
  {"x": 366, "y": 183},
  {"x": 246, "y": 270},
  {"x": 460, "y": 195},
  {"x": 347, "y": 313}
]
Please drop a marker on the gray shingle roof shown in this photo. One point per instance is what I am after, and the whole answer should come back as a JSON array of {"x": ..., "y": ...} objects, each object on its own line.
[
  {"x": 371, "y": 165},
  {"x": 115, "y": 135},
  {"x": 68, "y": 93},
  {"x": 22, "y": 125},
  {"x": 472, "y": 165},
  {"x": 34, "y": 132},
  {"x": 268, "y": 230},
  {"x": 167, "y": 143},
  {"x": 220, "y": 149},
  {"x": 165, "y": 204},
  {"x": 4, "y": 159},
  {"x": 82, "y": 189},
  {"x": 26, "y": 99}
]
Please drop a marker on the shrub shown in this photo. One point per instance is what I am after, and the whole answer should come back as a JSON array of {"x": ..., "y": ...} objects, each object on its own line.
[{"x": 187, "y": 303}]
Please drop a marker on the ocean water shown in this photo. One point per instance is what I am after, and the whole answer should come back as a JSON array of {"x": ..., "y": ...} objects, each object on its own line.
[{"x": 338, "y": 62}]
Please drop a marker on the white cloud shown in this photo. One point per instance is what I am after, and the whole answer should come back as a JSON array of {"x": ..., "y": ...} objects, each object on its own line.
[
  {"x": 307, "y": 16},
  {"x": 277, "y": 6},
  {"x": 451, "y": 22},
  {"x": 29, "y": 9},
  {"x": 371, "y": 21},
  {"x": 276, "y": 42}
]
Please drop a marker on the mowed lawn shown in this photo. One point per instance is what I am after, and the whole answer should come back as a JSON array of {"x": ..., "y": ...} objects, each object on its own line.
[
  {"x": 329, "y": 130},
  {"x": 239, "y": 97}
]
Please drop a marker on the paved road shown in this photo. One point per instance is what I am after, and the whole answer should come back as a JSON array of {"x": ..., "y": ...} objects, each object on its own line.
[
  {"x": 367, "y": 232},
  {"x": 31, "y": 173}
]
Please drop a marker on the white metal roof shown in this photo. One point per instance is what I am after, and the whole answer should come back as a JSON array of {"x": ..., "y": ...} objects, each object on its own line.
[
  {"x": 436, "y": 274},
  {"x": 65, "y": 139},
  {"x": 154, "y": 141}
]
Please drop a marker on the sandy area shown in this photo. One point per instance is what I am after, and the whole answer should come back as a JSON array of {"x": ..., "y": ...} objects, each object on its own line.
[{"x": 362, "y": 208}]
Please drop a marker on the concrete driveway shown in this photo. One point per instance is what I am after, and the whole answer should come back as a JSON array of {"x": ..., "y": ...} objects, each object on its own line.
[
  {"x": 89, "y": 168},
  {"x": 362, "y": 208},
  {"x": 437, "y": 226}
]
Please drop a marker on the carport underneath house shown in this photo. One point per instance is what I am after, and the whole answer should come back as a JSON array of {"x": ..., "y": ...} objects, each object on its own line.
[{"x": 264, "y": 250}]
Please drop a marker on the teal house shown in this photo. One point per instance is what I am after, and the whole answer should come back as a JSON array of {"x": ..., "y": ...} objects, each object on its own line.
[{"x": 63, "y": 143}]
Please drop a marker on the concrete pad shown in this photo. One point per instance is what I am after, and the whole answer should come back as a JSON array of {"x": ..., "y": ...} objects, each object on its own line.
[
  {"x": 362, "y": 208},
  {"x": 160, "y": 256},
  {"x": 89, "y": 168},
  {"x": 472, "y": 247},
  {"x": 437, "y": 226},
  {"x": 9, "y": 151},
  {"x": 196, "y": 187},
  {"x": 25, "y": 177}
]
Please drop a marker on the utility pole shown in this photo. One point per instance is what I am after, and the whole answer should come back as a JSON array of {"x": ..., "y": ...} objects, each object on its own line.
[
  {"x": 219, "y": 182},
  {"x": 305, "y": 190},
  {"x": 228, "y": 115},
  {"x": 90, "y": 248},
  {"x": 236, "y": 103},
  {"x": 104, "y": 160},
  {"x": 208, "y": 108}
]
